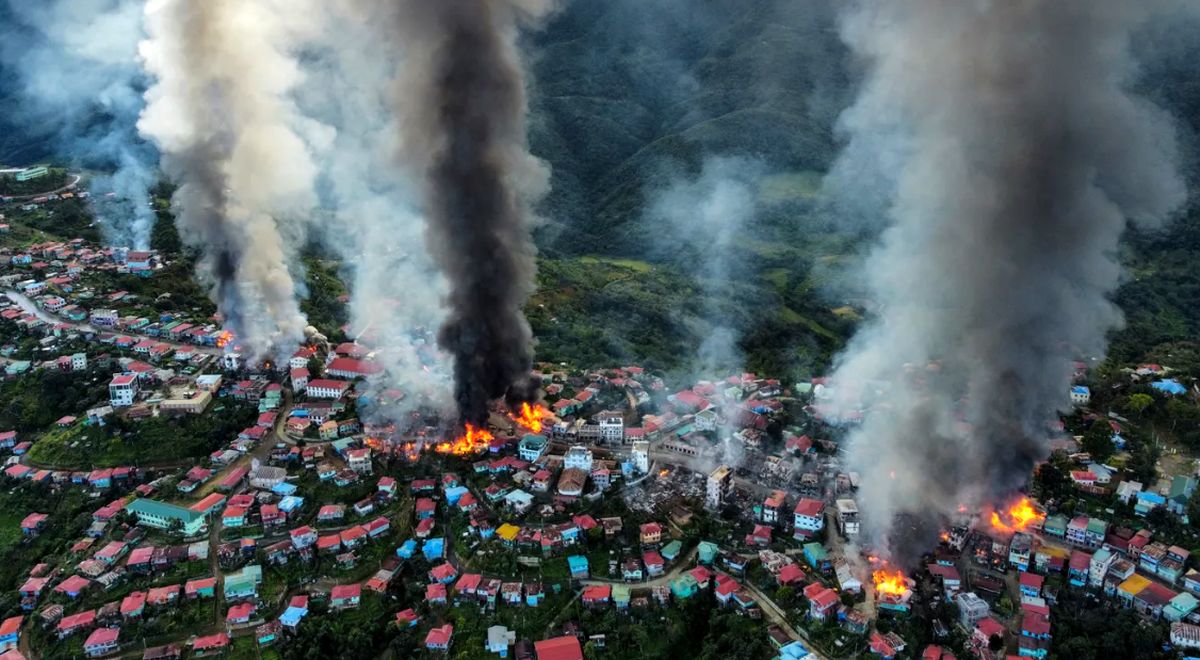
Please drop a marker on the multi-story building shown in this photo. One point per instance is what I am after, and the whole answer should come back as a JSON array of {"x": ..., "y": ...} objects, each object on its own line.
[
  {"x": 847, "y": 516},
  {"x": 1020, "y": 550},
  {"x": 718, "y": 485},
  {"x": 641, "y": 456},
  {"x": 78, "y": 361},
  {"x": 104, "y": 318},
  {"x": 532, "y": 447},
  {"x": 809, "y": 517},
  {"x": 1098, "y": 569},
  {"x": 578, "y": 457},
  {"x": 324, "y": 388},
  {"x": 161, "y": 515},
  {"x": 122, "y": 390},
  {"x": 612, "y": 427},
  {"x": 971, "y": 609}
]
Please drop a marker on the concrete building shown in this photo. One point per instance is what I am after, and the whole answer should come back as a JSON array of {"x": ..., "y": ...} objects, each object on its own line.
[
  {"x": 971, "y": 609},
  {"x": 122, "y": 390},
  {"x": 578, "y": 457},
  {"x": 161, "y": 515},
  {"x": 104, "y": 318},
  {"x": 612, "y": 427},
  {"x": 641, "y": 456},
  {"x": 847, "y": 517},
  {"x": 532, "y": 447},
  {"x": 717, "y": 487}
]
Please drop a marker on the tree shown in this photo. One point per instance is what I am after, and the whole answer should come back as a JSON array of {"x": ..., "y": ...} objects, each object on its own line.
[
  {"x": 1051, "y": 477},
  {"x": 1139, "y": 402},
  {"x": 1098, "y": 441}
]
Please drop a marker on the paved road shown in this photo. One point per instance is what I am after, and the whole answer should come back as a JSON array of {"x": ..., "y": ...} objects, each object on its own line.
[
  {"x": 29, "y": 306},
  {"x": 779, "y": 618},
  {"x": 70, "y": 185}
]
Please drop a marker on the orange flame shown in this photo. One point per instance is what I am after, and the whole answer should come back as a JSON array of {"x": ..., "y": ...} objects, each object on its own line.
[
  {"x": 890, "y": 583},
  {"x": 664, "y": 472},
  {"x": 224, "y": 338},
  {"x": 473, "y": 441},
  {"x": 1021, "y": 515},
  {"x": 530, "y": 417},
  {"x": 945, "y": 537}
]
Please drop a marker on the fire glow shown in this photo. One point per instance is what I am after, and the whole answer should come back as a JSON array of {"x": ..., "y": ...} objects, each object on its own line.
[
  {"x": 530, "y": 417},
  {"x": 890, "y": 583},
  {"x": 473, "y": 441},
  {"x": 1019, "y": 516}
]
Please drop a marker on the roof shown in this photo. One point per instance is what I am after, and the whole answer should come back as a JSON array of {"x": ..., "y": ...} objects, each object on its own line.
[
  {"x": 559, "y": 648},
  {"x": 809, "y": 507},
  {"x": 102, "y": 636},
  {"x": 989, "y": 627},
  {"x": 162, "y": 510},
  {"x": 439, "y": 636}
]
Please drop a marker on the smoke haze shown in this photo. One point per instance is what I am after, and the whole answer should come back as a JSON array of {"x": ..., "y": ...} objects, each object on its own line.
[
  {"x": 396, "y": 291},
  {"x": 461, "y": 99},
  {"x": 1019, "y": 158},
  {"x": 231, "y": 138},
  {"x": 78, "y": 77}
]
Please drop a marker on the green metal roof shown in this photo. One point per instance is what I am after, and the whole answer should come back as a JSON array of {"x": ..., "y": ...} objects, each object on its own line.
[{"x": 163, "y": 510}]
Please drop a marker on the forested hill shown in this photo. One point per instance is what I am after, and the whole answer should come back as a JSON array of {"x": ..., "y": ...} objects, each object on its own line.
[{"x": 628, "y": 92}]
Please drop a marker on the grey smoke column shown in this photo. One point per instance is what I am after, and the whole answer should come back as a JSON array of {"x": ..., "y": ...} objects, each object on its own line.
[
  {"x": 462, "y": 101},
  {"x": 1021, "y": 158},
  {"x": 77, "y": 76},
  {"x": 230, "y": 136}
]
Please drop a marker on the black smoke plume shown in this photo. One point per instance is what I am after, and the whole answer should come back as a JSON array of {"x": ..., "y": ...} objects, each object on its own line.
[{"x": 462, "y": 98}]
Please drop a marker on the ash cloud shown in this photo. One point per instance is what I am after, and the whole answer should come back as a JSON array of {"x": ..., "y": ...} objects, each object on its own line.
[
  {"x": 77, "y": 81},
  {"x": 220, "y": 111},
  {"x": 462, "y": 103},
  {"x": 1019, "y": 157}
]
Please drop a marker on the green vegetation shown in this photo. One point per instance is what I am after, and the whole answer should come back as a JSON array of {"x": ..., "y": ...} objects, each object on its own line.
[
  {"x": 56, "y": 178},
  {"x": 70, "y": 513},
  {"x": 170, "y": 289},
  {"x": 324, "y": 306},
  {"x": 66, "y": 219},
  {"x": 144, "y": 442},
  {"x": 36, "y": 400}
]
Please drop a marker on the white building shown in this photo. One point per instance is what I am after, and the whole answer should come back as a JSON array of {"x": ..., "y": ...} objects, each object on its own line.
[
  {"x": 231, "y": 361},
  {"x": 1098, "y": 568},
  {"x": 705, "y": 420},
  {"x": 971, "y": 609},
  {"x": 641, "y": 456},
  {"x": 79, "y": 362},
  {"x": 612, "y": 427},
  {"x": 324, "y": 388},
  {"x": 122, "y": 390},
  {"x": 809, "y": 517},
  {"x": 578, "y": 457},
  {"x": 1185, "y": 635},
  {"x": 847, "y": 512},
  {"x": 717, "y": 487},
  {"x": 104, "y": 318},
  {"x": 1080, "y": 395}
]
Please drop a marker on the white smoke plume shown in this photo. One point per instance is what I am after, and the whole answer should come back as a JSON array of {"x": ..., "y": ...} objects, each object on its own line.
[
  {"x": 231, "y": 137},
  {"x": 707, "y": 216},
  {"x": 77, "y": 76},
  {"x": 1019, "y": 157},
  {"x": 373, "y": 224}
]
